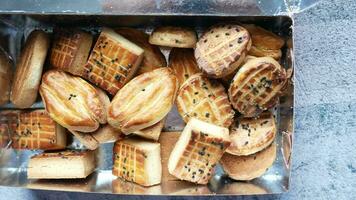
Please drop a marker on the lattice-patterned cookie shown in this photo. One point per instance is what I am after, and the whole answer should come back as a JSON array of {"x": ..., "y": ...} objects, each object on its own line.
[
  {"x": 31, "y": 130},
  {"x": 257, "y": 86},
  {"x": 113, "y": 61},
  {"x": 183, "y": 63},
  {"x": 144, "y": 101},
  {"x": 221, "y": 49},
  {"x": 197, "y": 151},
  {"x": 152, "y": 56},
  {"x": 205, "y": 99},
  {"x": 67, "y": 164},
  {"x": 70, "y": 50},
  {"x": 251, "y": 135},
  {"x": 138, "y": 161}
]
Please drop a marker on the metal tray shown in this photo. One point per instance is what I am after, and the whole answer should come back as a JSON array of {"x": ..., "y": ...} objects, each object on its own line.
[{"x": 14, "y": 28}]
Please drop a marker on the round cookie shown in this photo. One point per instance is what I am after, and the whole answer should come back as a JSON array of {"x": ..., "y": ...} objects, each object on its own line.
[
  {"x": 222, "y": 49},
  {"x": 205, "y": 99},
  {"x": 257, "y": 86}
]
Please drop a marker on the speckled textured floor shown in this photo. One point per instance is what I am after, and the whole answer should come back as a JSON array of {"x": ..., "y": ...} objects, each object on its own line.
[{"x": 324, "y": 156}]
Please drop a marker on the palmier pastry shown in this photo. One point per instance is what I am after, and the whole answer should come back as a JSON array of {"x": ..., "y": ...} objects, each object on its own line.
[
  {"x": 257, "y": 86},
  {"x": 183, "y": 63},
  {"x": 246, "y": 168},
  {"x": 199, "y": 148},
  {"x": 221, "y": 49},
  {"x": 5, "y": 77},
  {"x": 264, "y": 43},
  {"x": 32, "y": 130},
  {"x": 70, "y": 50},
  {"x": 72, "y": 102},
  {"x": 138, "y": 161},
  {"x": 67, "y": 164},
  {"x": 205, "y": 99},
  {"x": 29, "y": 69},
  {"x": 171, "y": 36},
  {"x": 144, "y": 101},
  {"x": 113, "y": 61},
  {"x": 251, "y": 135},
  {"x": 152, "y": 56}
]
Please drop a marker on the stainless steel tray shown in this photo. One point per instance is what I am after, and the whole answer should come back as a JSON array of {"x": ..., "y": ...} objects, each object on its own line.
[{"x": 14, "y": 28}]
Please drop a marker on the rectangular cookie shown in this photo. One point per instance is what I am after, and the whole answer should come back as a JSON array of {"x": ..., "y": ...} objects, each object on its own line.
[
  {"x": 138, "y": 161},
  {"x": 197, "y": 151},
  {"x": 62, "y": 165},
  {"x": 31, "y": 130},
  {"x": 113, "y": 61}
]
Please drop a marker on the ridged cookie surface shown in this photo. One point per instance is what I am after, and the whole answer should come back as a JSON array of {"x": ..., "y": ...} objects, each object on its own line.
[
  {"x": 144, "y": 101},
  {"x": 113, "y": 61},
  {"x": 72, "y": 102},
  {"x": 183, "y": 63},
  {"x": 257, "y": 85},
  {"x": 251, "y": 135},
  {"x": 137, "y": 161},
  {"x": 70, "y": 50},
  {"x": 152, "y": 56},
  {"x": 221, "y": 49},
  {"x": 205, "y": 99}
]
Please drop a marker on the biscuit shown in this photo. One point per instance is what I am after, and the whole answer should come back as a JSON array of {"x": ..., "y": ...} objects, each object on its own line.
[
  {"x": 257, "y": 86},
  {"x": 61, "y": 165},
  {"x": 5, "y": 77},
  {"x": 204, "y": 99},
  {"x": 113, "y": 61},
  {"x": 260, "y": 52},
  {"x": 32, "y": 130},
  {"x": 171, "y": 36},
  {"x": 72, "y": 102},
  {"x": 183, "y": 63},
  {"x": 144, "y": 101},
  {"x": 197, "y": 151},
  {"x": 138, "y": 161},
  {"x": 264, "y": 39},
  {"x": 244, "y": 168},
  {"x": 29, "y": 69},
  {"x": 221, "y": 49},
  {"x": 152, "y": 132},
  {"x": 251, "y": 135},
  {"x": 152, "y": 56},
  {"x": 70, "y": 50}
]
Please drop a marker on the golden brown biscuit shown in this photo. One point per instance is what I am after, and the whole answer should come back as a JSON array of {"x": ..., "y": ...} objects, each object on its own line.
[
  {"x": 138, "y": 161},
  {"x": 86, "y": 139},
  {"x": 205, "y": 99},
  {"x": 29, "y": 70},
  {"x": 5, "y": 77},
  {"x": 199, "y": 148},
  {"x": 222, "y": 49},
  {"x": 70, "y": 50},
  {"x": 152, "y": 132},
  {"x": 257, "y": 86},
  {"x": 72, "y": 102},
  {"x": 67, "y": 164},
  {"x": 113, "y": 61},
  {"x": 144, "y": 101},
  {"x": 107, "y": 134},
  {"x": 251, "y": 135},
  {"x": 152, "y": 56},
  {"x": 183, "y": 63},
  {"x": 264, "y": 39},
  {"x": 32, "y": 130},
  {"x": 260, "y": 52},
  {"x": 171, "y": 36},
  {"x": 246, "y": 168}
]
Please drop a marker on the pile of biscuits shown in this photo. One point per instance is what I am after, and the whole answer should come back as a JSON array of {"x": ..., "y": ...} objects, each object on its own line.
[{"x": 119, "y": 88}]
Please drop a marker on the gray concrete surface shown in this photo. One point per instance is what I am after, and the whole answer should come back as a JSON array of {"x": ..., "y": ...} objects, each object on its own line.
[{"x": 324, "y": 157}]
